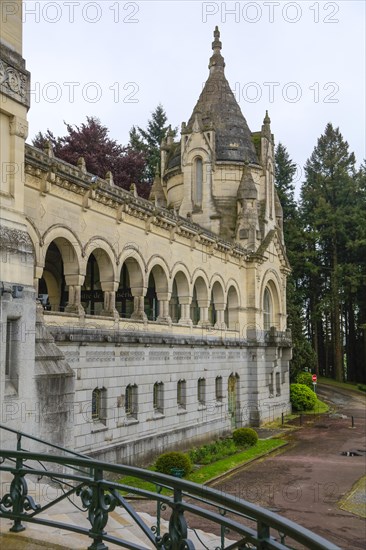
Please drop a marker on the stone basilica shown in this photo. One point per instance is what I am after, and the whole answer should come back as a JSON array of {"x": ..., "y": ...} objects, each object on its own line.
[{"x": 133, "y": 326}]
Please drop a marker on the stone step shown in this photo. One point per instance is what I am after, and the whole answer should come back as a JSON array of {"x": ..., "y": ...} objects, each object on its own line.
[{"x": 120, "y": 524}]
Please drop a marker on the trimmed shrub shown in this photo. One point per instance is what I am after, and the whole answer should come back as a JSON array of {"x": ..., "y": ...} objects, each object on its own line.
[
  {"x": 302, "y": 398},
  {"x": 168, "y": 462},
  {"x": 245, "y": 437},
  {"x": 305, "y": 378}
]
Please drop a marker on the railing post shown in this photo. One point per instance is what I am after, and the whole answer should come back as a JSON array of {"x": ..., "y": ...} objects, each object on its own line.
[
  {"x": 223, "y": 529},
  {"x": 176, "y": 539},
  {"x": 98, "y": 505},
  {"x": 159, "y": 508},
  {"x": 263, "y": 535},
  {"x": 18, "y": 490}
]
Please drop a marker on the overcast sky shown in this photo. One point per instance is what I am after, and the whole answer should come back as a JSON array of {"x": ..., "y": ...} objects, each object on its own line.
[{"x": 303, "y": 61}]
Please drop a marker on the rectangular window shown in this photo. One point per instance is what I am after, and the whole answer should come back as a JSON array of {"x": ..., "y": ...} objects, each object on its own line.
[
  {"x": 181, "y": 394},
  {"x": 201, "y": 391}
]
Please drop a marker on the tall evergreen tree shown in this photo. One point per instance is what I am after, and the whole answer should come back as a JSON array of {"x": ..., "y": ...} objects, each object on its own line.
[
  {"x": 327, "y": 202},
  {"x": 148, "y": 141},
  {"x": 303, "y": 354}
]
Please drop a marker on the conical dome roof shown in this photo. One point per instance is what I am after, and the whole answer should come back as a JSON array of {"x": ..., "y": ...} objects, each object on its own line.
[{"x": 218, "y": 108}]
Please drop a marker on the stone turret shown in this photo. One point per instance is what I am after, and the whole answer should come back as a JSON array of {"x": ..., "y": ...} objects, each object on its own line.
[{"x": 247, "y": 226}]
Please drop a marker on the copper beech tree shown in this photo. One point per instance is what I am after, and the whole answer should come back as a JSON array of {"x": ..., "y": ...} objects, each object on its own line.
[{"x": 102, "y": 154}]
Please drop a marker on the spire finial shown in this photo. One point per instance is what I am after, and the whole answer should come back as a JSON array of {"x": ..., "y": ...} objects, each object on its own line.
[
  {"x": 267, "y": 120},
  {"x": 216, "y": 44},
  {"x": 216, "y": 59}
]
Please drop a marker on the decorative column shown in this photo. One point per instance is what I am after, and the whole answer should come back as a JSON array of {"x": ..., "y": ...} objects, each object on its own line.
[
  {"x": 220, "y": 316},
  {"x": 164, "y": 298},
  {"x": 203, "y": 305},
  {"x": 138, "y": 294},
  {"x": 185, "y": 306},
  {"x": 109, "y": 289},
  {"x": 74, "y": 283}
]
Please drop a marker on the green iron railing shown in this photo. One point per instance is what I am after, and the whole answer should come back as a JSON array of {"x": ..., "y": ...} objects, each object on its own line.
[{"x": 250, "y": 526}]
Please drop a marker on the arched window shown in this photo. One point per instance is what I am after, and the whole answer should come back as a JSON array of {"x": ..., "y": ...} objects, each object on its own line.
[
  {"x": 267, "y": 310},
  {"x": 198, "y": 182},
  {"x": 201, "y": 391},
  {"x": 158, "y": 397},
  {"x": 131, "y": 401},
  {"x": 218, "y": 389},
  {"x": 98, "y": 409},
  {"x": 181, "y": 394}
]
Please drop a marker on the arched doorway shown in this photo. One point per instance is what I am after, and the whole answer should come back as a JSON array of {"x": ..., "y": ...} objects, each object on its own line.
[
  {"x": 151, "y": 300},
  {"x": 92, "y": 298},
  {"x": 233, "y": 399},
  {"x": 52, "y": 288},
  {"x": 124, "y": 297}
]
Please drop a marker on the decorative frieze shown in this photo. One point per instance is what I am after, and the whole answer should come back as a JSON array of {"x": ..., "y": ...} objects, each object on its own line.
[{"x": 14, "y": 79}]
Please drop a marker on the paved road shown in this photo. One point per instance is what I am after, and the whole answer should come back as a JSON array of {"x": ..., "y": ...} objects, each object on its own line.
[{"x": 306, "y": 482}]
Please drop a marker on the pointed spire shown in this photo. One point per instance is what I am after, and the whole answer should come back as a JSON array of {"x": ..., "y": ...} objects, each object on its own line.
[
  {"x": 266, "y": 127},
  {"x": 266, "y": 119},
  {"x": 216, "y": 60}
]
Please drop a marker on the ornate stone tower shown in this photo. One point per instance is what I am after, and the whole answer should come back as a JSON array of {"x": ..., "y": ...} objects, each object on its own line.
[{"x": 220, "y": 174}]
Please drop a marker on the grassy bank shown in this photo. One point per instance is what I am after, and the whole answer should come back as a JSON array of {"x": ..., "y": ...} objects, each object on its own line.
[
  {"x": 205, "y": 473},
  {"x": 342, "y": 385}
]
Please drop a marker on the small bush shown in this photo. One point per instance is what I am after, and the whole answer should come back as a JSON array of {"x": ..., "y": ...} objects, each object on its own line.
[
  {"x": 305, "y": 378},
  {"x": 168, "y": 461},
  {"x": 361, "y": 387},
  {"x": 302, "y": 398},
  {"x": 245, "y": 437}
]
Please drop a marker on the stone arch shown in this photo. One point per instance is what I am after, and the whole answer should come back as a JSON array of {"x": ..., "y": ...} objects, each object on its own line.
[
  {"x": 136, "y": 267},
  {"x": 217, "y": 304},
  {"x": 200, "y": 299},
  {"x": 271, "y": 284},
  {"x": 99, "y": 290},
  {"x": 69, "y": 245},
  {"x": 59, "y": 269},
  {"x": 232, "y": 308},
  {"x": 105, "y": 256},
  {"x": 158, "y": 293},
  {"x": 157, "y": 260},
  {"x": 181, "y": 297}
]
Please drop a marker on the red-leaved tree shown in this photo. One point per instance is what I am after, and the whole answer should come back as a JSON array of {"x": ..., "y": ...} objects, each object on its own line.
[{"x": 101, "y": 153}]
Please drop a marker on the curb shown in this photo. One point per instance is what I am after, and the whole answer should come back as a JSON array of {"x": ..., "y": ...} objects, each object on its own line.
[{"x": 244, "y": 465}]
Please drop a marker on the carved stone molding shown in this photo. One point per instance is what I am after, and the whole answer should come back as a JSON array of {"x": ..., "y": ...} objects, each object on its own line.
[
  {"x": 19, "y": 127},
  {"x": 14, "y": 79},
  {"x": 15, "y": 241}
]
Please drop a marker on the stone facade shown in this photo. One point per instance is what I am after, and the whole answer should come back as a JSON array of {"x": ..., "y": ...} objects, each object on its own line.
[{"x": 159, "y": 323}]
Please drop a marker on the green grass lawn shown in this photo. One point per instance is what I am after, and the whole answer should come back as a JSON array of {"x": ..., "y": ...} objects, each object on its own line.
[
  {"x": 210, "y": 471},
  {"x": 320, "y": 408},
  {"x": 345, "y": 385}
]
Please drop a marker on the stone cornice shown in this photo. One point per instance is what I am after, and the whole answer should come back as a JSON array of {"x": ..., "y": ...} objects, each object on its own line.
[{"x": 53, "y": 171}]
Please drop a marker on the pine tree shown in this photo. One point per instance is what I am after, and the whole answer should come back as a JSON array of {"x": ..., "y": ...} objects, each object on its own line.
[
  {"x": 326, "y": 199},
  {"x": 303, "y": 354},
  {"x": 148, "y": 141}
]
